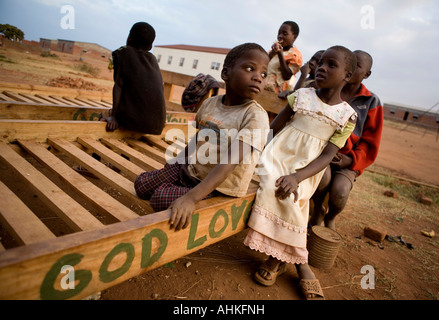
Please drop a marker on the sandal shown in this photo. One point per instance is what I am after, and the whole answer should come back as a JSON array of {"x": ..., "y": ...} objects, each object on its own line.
[
  {"x": 274, "y": 274},
  {"x": 311, "y": 287}
]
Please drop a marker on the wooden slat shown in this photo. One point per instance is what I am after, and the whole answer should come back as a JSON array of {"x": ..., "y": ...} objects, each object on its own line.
[
  {"x": 48, "y": 90},
  {"x": 135, "y": 156},
  {"x": 102, "y": 103},
  {"x": 63, "y": 101},
  {"x": 19, "y": 220},
  {"x": 48, "y": 99},
  {"x": 81, "y": 185},
  {"x": 33, "y": 98},
  {"x": 31, "y": 272},
  {"x": 130, "y": 169},
  {"x": 16, "y": 96},
  {"x": 151, "y": 152},
  {"x": 162, "y": 145},
  {"x": 75, "y": 101},
  {"x": 40, "y": 130},
  {"x": 115, "y": 180},
  {"x": 76, "y": 216},
  {"x": 4, "y": 97},
  {"x": 88, "y": 102},
  {"x": 34, "y": 111}
]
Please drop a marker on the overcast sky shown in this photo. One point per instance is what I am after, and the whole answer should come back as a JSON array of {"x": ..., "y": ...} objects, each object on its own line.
[{"x": 401, "y": 35}]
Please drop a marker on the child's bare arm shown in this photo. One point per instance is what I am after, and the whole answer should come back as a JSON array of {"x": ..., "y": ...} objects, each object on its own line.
[
  {"x": 183, "y": 207},
  {"x": 285, "y": 70},
  {"x": 289, "y": 184},
  {"x": 117, "y": 94}
]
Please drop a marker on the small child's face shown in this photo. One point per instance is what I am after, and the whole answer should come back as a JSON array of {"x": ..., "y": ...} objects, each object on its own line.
[
  {"x": 363, "y": 68},
  {"x": 331, "y": 70},
  {"x": 285, "y": 36},
  {"x": 246, "y": 79},
  {"x": 314, "y": 60}
]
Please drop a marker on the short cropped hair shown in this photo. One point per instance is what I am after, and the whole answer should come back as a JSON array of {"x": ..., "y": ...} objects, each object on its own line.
[
  {"x": 142, "y": 35},
  {"x": 350, "y": 58},
  {"x": 367, "y": 55},
  {"x": 238, "y": 51},
  {"x": 294, "y": 27}
]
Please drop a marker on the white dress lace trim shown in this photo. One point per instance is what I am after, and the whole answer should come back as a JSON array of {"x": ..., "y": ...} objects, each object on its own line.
[
  {"x": 258, "y": 242},
  {"x": 275, "y": 219}
]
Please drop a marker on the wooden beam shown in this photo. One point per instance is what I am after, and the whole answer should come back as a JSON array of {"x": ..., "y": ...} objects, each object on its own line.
[
  {"x": 131, "y": 170},
  {"x": 117, "y": 252},
  {"x": 19, "y": 220},
  {"x": 47, "y": 90},
  {"x": 34, "y": 111},
  {"x": 4, "y": 97},
  {"x": 136, "y": 157},
  {"x": 270, "y": 101},
  {"x": 150, "y": 151},
  {"x": 55, "y": 111},
  {"x": 40, "y": 130},
  {"x": 33, "y": 98},
  {"x": 63, "y": 101},
  {"x": 16, "y": 97},
  {"x": 106, "y": 203},
  {"x": 76, "y": 216},
  {"x": 48, "y": 99},
  {"x": 109, "y": 176}
]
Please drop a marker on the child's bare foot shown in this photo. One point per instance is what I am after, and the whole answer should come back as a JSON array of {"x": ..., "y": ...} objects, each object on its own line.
[{"x": 269, "y": 271}]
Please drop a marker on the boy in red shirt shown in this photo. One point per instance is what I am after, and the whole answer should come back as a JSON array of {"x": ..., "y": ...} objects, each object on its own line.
[{"x": 360, "y": 150}]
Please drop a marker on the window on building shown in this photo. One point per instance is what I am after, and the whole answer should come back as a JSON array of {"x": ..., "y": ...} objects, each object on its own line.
[
  {"x": 181, "y": 62},
  {"x": 415, "y": 116},
  {"x": 195, "y": 64},
  {"x": 215, "y": 66},
  {"x": 159, "y": 57},
  {"x": 169, "y": 59},
  {"x": 392, "y": 111}
]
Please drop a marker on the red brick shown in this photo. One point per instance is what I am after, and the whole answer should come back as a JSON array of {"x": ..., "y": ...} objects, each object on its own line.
[{"x": 375, "y": 233}]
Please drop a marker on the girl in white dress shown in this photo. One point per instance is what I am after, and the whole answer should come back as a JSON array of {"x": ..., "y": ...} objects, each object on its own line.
[{"x": 308, "y": 132}]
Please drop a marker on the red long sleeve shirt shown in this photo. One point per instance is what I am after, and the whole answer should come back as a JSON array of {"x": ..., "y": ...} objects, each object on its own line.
[{"x": 363, "y": 144}]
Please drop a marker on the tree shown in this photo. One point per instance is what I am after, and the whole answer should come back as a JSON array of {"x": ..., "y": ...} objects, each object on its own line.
[{"x": 11, "y": 32}]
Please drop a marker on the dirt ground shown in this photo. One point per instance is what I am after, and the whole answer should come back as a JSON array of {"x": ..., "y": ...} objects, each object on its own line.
[{"x": 223, "y": 271}]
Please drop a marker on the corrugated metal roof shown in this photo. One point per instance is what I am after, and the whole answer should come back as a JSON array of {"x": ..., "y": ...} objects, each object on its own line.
[{"x": 196, "y": 48}]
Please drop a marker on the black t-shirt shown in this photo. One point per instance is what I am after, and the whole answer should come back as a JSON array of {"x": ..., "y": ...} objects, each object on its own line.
[{"x": 142, "y": 106}]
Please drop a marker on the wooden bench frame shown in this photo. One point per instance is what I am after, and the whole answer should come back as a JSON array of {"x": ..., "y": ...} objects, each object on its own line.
[
  {"x": 45, "y": 126},
  {"x": 99, "y": 255}
]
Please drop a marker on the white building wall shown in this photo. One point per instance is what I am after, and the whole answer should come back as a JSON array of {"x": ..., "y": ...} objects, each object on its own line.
[{"x": 205, "y": 63}]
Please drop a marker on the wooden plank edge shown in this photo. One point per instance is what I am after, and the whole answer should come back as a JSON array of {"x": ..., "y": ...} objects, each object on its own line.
[{"x": 128, "y": 249}]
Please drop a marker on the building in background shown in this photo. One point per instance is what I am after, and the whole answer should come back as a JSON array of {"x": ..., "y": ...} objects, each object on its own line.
[
  {"x": 191, "y": 60},
  {"x": 425, "y": 118},
  {"x": 75, "y": 47}
]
